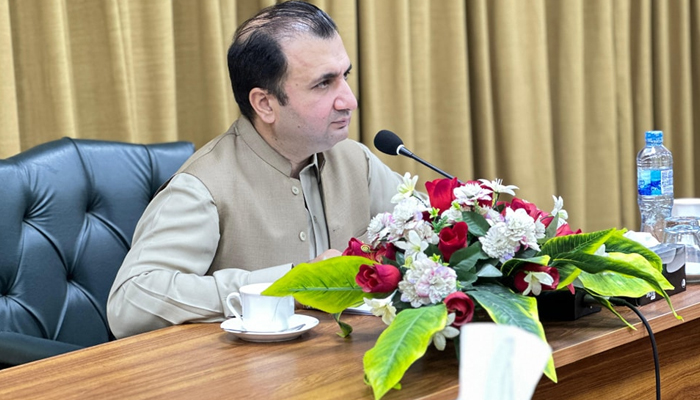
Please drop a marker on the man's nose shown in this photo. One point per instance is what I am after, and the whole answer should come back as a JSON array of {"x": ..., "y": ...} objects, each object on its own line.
[{"x": 346, "y": 98}]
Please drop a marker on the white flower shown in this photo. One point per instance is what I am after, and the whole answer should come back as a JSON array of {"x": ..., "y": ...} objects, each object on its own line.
[
  {"x": 452, "y": 214},
  {"x": 470, "y": 193},
  {"x": 522, "y": 228},
  {"x": 497, "y": 187},
  {"x": 382, "y": 308},
  {"x": 492, "y": 216},
  {"x": 409, "y": 209},
  {"x": 497, "y": 244},
  {"x": 413, "y": 244},
  {"x": 427, "y": 282},
  {"x": 405, "y": 189},
  {"x": 380, "y": 227},
  {"x": 448, "y": 332},
  {"x": 425, "y": 230},
  {"x": 559, "y": 210},
  {"x": 535, "y": 280}
]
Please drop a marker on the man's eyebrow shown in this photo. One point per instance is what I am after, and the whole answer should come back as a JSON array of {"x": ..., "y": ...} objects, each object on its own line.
[{"x": 333, "y": 75}]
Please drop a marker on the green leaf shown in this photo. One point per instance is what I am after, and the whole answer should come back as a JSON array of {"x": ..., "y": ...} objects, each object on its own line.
[
  {"x": 620, "y": 244},
  {"x": 345, "y": 328},
  {"x": 606, "y": 303},
  {"x": 630, "y": 265},
  {"x": 400, "y": 345},
  {"x": 567, "y": 274},
  {"x": 489, "y": 271},
  {"x": 477, "y": 224},
  {"x": 464, "y": 260},
  {"x": 327, "y": 285},
  {"x": 551, "y": 230},
  {"x": 613, "y": 284},
  {"x": 506, "y": 307},
  {"x": 432, "y": 250},
  {"x": 514, "y": 264},
  {"x": 579, "y": 243}
]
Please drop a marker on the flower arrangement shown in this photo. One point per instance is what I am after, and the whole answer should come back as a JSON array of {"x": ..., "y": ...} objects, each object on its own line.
[{"x": 435, "y": 263}]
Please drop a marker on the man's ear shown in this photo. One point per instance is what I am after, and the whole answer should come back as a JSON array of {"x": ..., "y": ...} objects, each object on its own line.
[{"x": 262, "y": 102}]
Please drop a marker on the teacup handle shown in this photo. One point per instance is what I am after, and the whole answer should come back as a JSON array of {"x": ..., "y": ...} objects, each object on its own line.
[{"x": 231, "y": 307}]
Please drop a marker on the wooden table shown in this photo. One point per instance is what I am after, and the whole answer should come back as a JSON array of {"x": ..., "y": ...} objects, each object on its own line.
[
  {"x": 201, "y": 361},
  {"x": 596, "y": 357}
]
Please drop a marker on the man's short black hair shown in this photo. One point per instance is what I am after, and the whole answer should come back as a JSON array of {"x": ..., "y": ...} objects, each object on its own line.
[{"x": 255, "y": 58}]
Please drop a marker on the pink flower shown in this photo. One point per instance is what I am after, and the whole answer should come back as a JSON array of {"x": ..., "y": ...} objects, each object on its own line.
[
  {"x": 462, "y": 306},
  {"x": 452, "y": 238},
  {"x": 378, "y": 278},
  {"x": 534, "y": 278}
]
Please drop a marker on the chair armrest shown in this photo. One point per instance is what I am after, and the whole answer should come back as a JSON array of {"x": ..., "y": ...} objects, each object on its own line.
[{"x": 17, "y": 348}]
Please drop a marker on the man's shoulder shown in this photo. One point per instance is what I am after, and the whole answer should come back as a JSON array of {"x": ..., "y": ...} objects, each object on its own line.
[{"x": 213, "y": 148}]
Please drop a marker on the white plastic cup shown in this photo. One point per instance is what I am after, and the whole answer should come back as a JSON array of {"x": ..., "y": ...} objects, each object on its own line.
[{"x": 685, "y": 230}]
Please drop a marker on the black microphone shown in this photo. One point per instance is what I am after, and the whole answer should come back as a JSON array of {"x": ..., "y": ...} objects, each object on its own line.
[{"x": 388, "y": 143}]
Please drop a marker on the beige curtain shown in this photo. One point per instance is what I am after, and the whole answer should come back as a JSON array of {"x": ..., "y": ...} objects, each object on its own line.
[{"x": 552, "y": 96}]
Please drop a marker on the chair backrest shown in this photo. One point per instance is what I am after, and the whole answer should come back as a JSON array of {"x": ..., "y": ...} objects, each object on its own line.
[{"x": 68, "y": 210}]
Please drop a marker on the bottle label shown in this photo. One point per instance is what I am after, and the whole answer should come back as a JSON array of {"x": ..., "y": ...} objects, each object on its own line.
[{"x": 655, "y": 182}]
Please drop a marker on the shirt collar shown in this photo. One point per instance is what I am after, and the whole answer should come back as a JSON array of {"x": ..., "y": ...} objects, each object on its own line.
[{"x": 244, "y": 129}]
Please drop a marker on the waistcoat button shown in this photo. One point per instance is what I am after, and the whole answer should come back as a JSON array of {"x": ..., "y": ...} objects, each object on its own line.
[{"x": 302, "y": 236}]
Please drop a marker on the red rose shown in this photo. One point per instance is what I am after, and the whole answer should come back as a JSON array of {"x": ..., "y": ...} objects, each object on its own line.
[
  {"x": 358, "y": 248},
  {"x": 441, "y": 192},
  {"x": 535, "y": 286},
  {"x": 460, "y": 304},
  {"x": 530, "y": 208},
  {"x": 452, "y": 238},
  {"x": 386, "y": 250},
  {"x": 378, "y": 278}
]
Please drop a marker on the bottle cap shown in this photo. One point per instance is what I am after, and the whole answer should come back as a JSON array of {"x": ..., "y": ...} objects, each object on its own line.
[{"x": 654, "y": 138}]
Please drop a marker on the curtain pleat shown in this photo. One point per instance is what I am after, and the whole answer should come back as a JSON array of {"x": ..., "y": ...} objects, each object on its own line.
[
  {"x": 414, "y": 81},
  {"x": 204, "y": 105},
  {"x": 9, "y": 122},
  {"x": 552, "y": 96},
  {"x": 42, "y": 69}
]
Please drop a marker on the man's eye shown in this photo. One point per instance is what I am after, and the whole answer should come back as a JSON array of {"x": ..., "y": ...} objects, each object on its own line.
[{"x": 323, "y": 85}]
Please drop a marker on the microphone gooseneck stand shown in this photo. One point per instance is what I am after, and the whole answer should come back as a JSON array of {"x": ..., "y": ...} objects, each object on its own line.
[{"x": 389, "y": 143}]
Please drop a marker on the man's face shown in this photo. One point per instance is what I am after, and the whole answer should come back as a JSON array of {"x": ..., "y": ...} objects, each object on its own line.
[{"x": 320, "y": 101}]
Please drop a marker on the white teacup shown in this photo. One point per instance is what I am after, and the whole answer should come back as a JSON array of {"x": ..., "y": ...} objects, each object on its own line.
[{"x": 261, "y": 313}]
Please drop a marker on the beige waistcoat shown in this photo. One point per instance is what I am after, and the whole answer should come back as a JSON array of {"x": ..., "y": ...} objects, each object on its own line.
[{"x": 261, "y": 209}]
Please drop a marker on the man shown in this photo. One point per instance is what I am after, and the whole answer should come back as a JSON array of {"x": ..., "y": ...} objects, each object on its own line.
[{"x": 282, "y": 186}]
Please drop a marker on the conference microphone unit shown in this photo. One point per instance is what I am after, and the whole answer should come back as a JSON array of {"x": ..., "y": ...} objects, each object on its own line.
[{"x": 389, "y": 143}]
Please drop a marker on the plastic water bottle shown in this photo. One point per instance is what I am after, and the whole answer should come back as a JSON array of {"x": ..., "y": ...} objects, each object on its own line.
[{"x": 654, "y": 184}]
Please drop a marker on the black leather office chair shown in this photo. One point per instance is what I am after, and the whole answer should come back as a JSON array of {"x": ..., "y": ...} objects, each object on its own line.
[{"x": 68, "y": 209}]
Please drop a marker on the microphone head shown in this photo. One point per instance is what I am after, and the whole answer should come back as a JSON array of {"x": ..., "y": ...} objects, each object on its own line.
[{"x": 387, "y": 142}]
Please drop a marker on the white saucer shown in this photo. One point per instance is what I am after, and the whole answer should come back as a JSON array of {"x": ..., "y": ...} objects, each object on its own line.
[{"x": 234, "y": 328}]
